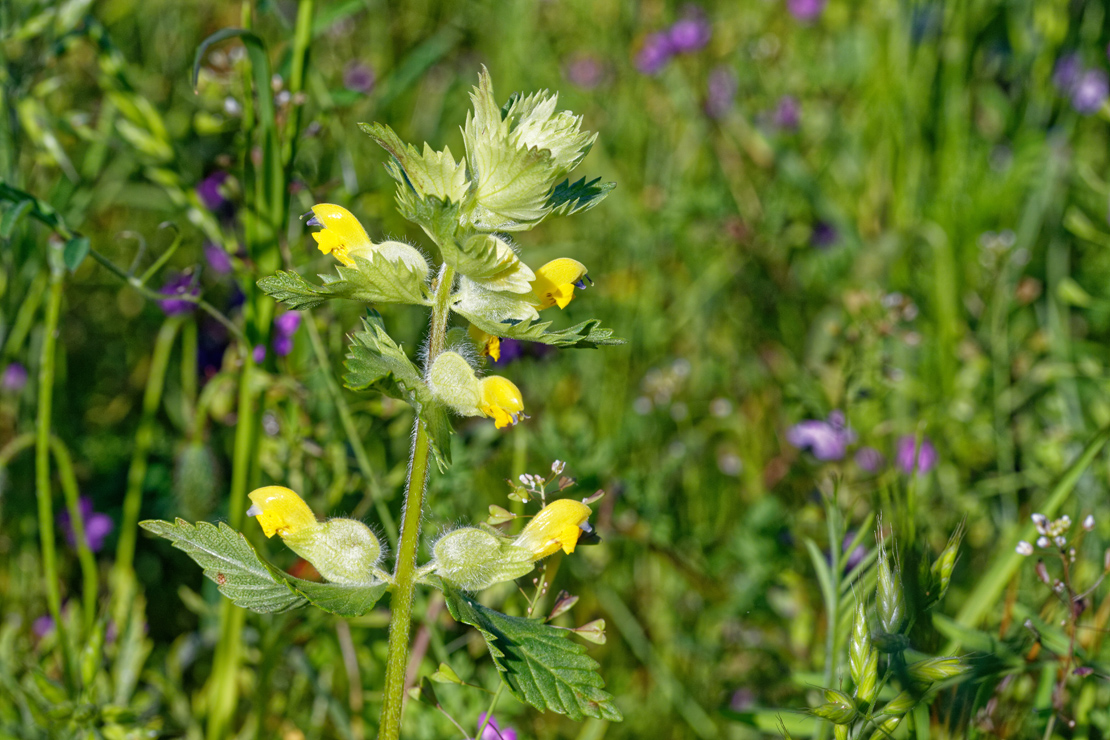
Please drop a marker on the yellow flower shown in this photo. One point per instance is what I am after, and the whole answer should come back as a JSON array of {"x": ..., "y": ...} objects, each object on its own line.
[
  {"x": 487, "y": 343},
  {"x": 500, "y": 399},
  {"x": 280, "y": 511},
  {"x": 557, "y": 526},
  {"x": 555, "y": 282},
  {"x": 342, "y": 235}
]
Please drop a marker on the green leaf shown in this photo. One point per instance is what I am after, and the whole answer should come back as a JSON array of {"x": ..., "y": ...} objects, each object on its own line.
[
  {"x": 566, "y": 198},
  {"x": 12, "y": 217},
  {"x": 230, "y": 561},
  {"x": 374, "y": 360},
  {"x": 376, "y": 280},
  {"x": 538, "y": 663},
  {"x": 490, "y": 262},
  {"x": 588, "y": 334},
  {"x": 75, "y": 252},
  {"x": 345, "y": 600}
]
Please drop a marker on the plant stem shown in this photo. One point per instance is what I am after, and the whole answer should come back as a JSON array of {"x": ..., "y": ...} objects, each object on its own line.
[
  {"x": 404, "y": 571},
  {"x": 42, "y": 465},
  {"x": 90, "y": 579}
]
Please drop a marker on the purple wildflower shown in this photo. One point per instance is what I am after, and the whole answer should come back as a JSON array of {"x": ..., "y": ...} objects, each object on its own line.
[
  {"x": 824, "y": 235},
  {"x": 14, "y": 378},
  {"x": 689, "y": 34},
  {"x": 217, "y": 258},
  {"x": 283, "y": 346},
  {"x": 359, "y": 77},
  {"x": 805, "y": 10},
  {"x": 181, "y": 285},
  {"x": 926, "y": 456},
  {"x": 721, "y": 92},
  {"x": 259, "y": 354},
  {"x": 42, "y": 626},
  {"x": 787, "y": 114},
  {"x": 511, "y": 349},
  {"x": 97, "y": 525},
  {"x": 827, "y": 440},
  {"x": 1066, "y": 72},
  {"x": 210, "y": 191},
  {"x": 655, "y": 53},
  {"x": 1090, "y": 91},
  {"x": 869, "y": 459},
  {"x": 584, "y": 71},
  {"x": 287, "y": 324},
  {"x": 494, "y": 731}
]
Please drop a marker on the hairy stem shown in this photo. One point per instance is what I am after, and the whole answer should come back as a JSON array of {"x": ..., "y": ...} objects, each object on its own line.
[
  {"x": 42, "y": 466},
  {"x": 404, "y": 572}
]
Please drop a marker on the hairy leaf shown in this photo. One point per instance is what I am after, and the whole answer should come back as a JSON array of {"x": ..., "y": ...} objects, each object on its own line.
[
  {"x": 490, "y": 262},
  {"x": 538, "y": 663},
  {"x": 588, "y": 334},
  {"x": 376, "y": 280},
  {"x": 566, "y": 198},
  {"x": 346, "y": 600},
  {"x": 230, "y": 561}
]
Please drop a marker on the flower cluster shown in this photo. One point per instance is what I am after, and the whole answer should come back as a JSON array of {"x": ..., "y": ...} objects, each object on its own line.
[
  {"x": 1087, "y": 89},
  {"x": 688, "y": 34},
  {"x": 1053, "y": 534}
]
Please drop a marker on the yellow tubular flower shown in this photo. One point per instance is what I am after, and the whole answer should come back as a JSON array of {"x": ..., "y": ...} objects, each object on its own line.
[
  {"x": 342, "y": 234},
  {"x": 557, "y": 526},
  {"x": 555, "y": 282},
  {"x": 500, "y": 399},
  {"x": 488, "y": 344},
  {"x": 280, "y": 511}
]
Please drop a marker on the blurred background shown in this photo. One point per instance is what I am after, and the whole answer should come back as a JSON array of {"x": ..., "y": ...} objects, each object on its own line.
[{"x": 840, "y": 230}]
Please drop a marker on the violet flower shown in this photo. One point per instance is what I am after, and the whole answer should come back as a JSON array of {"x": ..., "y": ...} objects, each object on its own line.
[
  {"x": 211, "y": 194},
  {"x": 97, "y": 525},
  {"x": 181, "y": 285},
  {"x": 259, "y": 354},
  {"x": 805, "y": 10},
  {"x": 1090, "y": 92},
  {"x": 584, "y": 71},
  {"x": 217, "y": 258},
  {"x": 689, "y": 34},
  {"x": 655, "y": 53},
  {"x": 926, "y": 456},
  {"x": 42, "y": 626},
  {"x": 359, "y": 77},
  {"x": 285, "y": 326},
  {"x": 14, "y": 378},
  {"x": 721, "y": 92},
  {"x": 827, "y": 440},
  {"x": 824, "y": 235},
  {"x": 1066, "y": 72},
  {"x": 494, "y": 731},
  {"x": 869, "y": 459},
  {"x": 511, "y": 349},
  {"x": 787, "y": 114}
]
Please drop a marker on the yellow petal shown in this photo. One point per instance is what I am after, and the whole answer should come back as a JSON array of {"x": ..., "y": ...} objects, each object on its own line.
[
  {"x": 554, "y": 283},
  {"x": 280, "y": 511},
  {"x": 342, "y": 234},
  {"x": 557, "y": 526},
  {"x": 501, "y": 400},
  {"x": 488, "y": 344}
]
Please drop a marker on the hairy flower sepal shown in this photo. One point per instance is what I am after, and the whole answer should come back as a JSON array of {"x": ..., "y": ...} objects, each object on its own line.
[
  {"x": 475, "y": 559},
  {"x": 341, "y": 550},
  {"x": 557, "y": 527},
  {"x": 454, "y": 384}
]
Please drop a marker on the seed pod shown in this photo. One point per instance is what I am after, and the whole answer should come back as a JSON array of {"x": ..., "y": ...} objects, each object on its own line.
[
  {"x": 888, "y": 726},
  {"x": 941, "y": 570},
  {"x": 863, "y": 658},
  {"x": 838, "y": 708},
  {"x": 900, "y": 704},
  {"x": 475, "y": 559},
  {"x": 935, "y": 669},
  {"x": 342, "y": 550}
]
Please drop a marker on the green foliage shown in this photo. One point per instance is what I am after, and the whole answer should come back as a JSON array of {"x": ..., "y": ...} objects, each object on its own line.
[
  {"x": 539, "y": 663},
  {"x": 375, "y": 280}
]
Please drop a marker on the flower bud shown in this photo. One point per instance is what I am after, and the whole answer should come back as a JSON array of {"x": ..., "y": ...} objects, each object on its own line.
[
  {"x": 341, "y": 550},
  {"x": 475, "y": 559},
  {"x": 863, "y": 659},
  {"x": 557, "y": 526},
  {"x": 453, "y": 382},
  {"x": 555, "y": 282},
  {"x": 501, "y": 400},
  {"x": 888, "y": 592},
  {"x": 838, "y": 708},
  {"x": 932, "y": 670}
]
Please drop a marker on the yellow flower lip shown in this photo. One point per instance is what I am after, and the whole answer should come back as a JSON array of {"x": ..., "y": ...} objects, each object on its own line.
[
  {"x": 555, "y": 282},
  {"x": 501, "y": 400},
  {"x": 342, "y": 235},
  {"x": 557, "y": 527},
  {"x": 280, "y": 511},
  {"x": 488, "y": 344}
]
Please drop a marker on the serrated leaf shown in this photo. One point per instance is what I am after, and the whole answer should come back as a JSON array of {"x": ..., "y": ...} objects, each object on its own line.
[
  {"x": 345, "y": 600},
  {"x": 511, "y": 185},
  {"x": 490, "y": 262},
  {"x": 495, "y": 307},
  {"x": 375, "y": 360},
  {"x": 376, "y": 280},
  {"x": 588, "y": 334},
  {"x": 566, "y": 198},
  {"x": 229, "y": 560},
  {"x": 538, "y": 663},
  {"x": 429, "y": 174}
]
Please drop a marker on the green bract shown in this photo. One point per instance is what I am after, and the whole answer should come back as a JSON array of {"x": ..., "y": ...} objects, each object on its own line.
[{"x": 474, "y": 559}]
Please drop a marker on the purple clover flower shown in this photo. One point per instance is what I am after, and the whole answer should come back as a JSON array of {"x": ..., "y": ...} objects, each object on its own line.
[
  {"x": 655, "y": 53},
  {"x": 210, "y": 191},
  {"x": 787, "y": 114},
  {"x": 689, "y": 34},
  {"x": 806, "y": 10},
  {"x": 259, "y": 354},
  {"x": 926, "y": 456},
  {"x": 827, "y": 440},
  {"x": 494, "y": 731},
  {"x": 359, "y": 77},
  {"x": 721, "y": 87},
  {"x": 14, "y": 378},
  {"x": 97, "y": 525},
  {"x": 217, "y": 258},
  {"x": 869, "y": 459},
  {"x": 181, "y": 285},
  {"x": 1090, "y": 92},
  {"x": 584, "y": 71}
]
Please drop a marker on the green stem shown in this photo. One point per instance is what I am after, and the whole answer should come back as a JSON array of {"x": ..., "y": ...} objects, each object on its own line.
[
  {"x": 42, "y": 465},
  {"x": 89, "y": 576},
  {"x": 144, "y": 437},
  {"x": 400, "y": 622}
]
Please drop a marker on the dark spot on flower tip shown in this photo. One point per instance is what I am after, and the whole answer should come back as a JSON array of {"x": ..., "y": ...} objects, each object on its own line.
[{"x": 581, "y": 284}]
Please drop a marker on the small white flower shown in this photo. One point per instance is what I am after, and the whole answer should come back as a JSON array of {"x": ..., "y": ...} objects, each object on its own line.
[
  {"x": 1024, "y": 548},
  {"x": 1089, "y": 522},
  {"x": 1040, "y": 520},
  {"x": 1044, "y": 543},
  {"x": 557, "y": 467},
  {"x": 1060, "y": 540}
]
